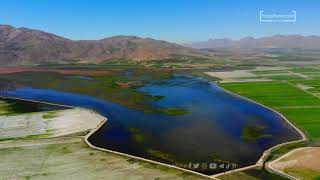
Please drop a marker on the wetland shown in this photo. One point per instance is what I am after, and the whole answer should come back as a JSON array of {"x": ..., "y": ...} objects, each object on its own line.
[{"x": 158, "y": 114}]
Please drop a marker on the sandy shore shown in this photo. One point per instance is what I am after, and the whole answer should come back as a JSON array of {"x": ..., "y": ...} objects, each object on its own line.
[{"x": 48, "y": 124}]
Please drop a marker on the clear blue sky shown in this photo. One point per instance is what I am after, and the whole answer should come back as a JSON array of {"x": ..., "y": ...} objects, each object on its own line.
[{"x": 172, "y": 20}]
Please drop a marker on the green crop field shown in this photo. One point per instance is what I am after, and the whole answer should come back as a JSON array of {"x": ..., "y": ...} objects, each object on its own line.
[
  {"x": 313, "y": 86},
  {"x": 273, "y": 94},
  {"x": 297, "y": 105},
  {"x": 285, "y": 77},
  {"x": 307, "y": 118},
  {"x": 271, "y": 72},
  {"x": 305, "y": 69}
]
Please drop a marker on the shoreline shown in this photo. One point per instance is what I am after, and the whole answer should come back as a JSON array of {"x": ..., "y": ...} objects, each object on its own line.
[
  {"x": 86, "y": 137},
  {"x": 259, "y": 163},
  {"x": 104, "y": 120},
  {"x": 266, "y": 153}
]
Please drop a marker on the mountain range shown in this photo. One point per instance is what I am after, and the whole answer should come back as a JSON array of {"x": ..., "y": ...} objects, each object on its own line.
[
  {"x": 23, "y": 46},
  {"x": 276, "y": 41}
]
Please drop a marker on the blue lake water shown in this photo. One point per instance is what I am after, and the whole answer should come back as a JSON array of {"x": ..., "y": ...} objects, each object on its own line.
[{"x": 220, "y": 131}]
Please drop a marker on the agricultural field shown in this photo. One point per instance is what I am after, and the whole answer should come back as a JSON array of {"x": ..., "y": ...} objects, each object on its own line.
[
  {"x": 292, "y": 91},
  {"x": 261, "y": 73},
  {"x": 298, "y": 106},
  {"x": 312, "y": 86}
]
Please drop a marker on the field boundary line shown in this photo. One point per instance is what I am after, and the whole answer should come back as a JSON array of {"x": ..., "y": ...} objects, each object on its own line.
[{"x": 302, "y": 89}]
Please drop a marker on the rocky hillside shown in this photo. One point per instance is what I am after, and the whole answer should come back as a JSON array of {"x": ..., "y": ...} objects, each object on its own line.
[{"x": 23, "y": 46}]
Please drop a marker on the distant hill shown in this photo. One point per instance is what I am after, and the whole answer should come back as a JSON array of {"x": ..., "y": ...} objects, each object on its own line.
[
  {"x": 276, "y": 41},
  {"x": 23, "y": 46}
]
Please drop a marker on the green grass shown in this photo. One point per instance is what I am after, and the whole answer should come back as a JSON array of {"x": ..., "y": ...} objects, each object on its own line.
[
  {"x": 305, "y": 69},
  {"x": 314, "y": 84},
  {"x": 280, "y": 96},
  {"x": 312, "y": 75},
  {"x": 305, "y": 174},
  {"x": 273, "y": 94},
  {"x": 308, "y": 118},
  {"x": 284, "y": 77}
]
